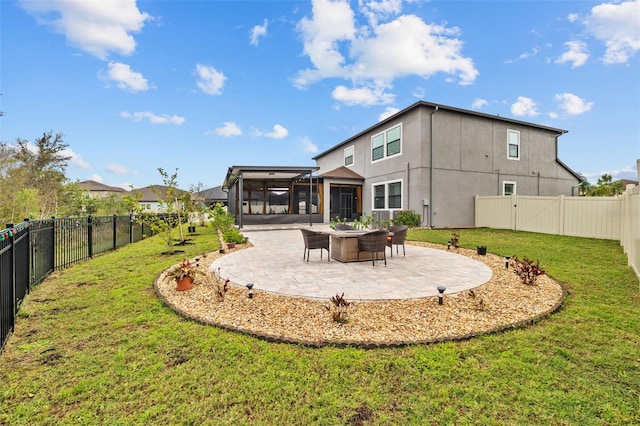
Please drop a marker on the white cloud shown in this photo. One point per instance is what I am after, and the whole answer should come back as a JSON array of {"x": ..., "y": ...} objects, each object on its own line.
[
  {"x": 75, "y": 158},
  {"x": 376, "y": 10},
  {"x": 616, "y": 24},
  {"x": 577, "y": 54},
  {"x": 573, "y": 17},
  {"x": 372, "y": 56},
  {"x": 96, "y": 178},
  {"x": 627, "y": 172},
  {"x": 388, "y": 113},
  {"x": 210, "y": 80},
  {"x": 96, "y": 27},
  {"x": 308, "y": 145},
  {"x": 278, "y": 132},
  {"x": 125, "y": 78},
  {"x": 229, "y": 129},
  {"x": 117, "y": 169},
  {"x": 362, "y": 96},
  {"x": 572, "y": 104},
  {"x": 524, "y": 106},
  {"x": 257, "y": 32},
  {"x": 153, "y": 118},
  {"x": 479, "y": 103}
]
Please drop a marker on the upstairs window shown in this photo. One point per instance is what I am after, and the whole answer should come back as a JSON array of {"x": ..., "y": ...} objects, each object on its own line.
[
  {"x": 513, "y": 144},
  {"x": 377, "y": 147},
  {"x": 348, "y": 156},
  {"x": 386, "y": 143}
]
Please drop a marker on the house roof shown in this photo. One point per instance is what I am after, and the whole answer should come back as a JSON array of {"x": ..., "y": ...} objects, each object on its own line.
[
  {"x": 626, "y": 182},
  {"x": 155, "y": 192},
  {"x": 266, "y": 173},
  {"x": 92, "y": 185},
  {"x": 215, "y": 193},
  {"x": 434, "y": 106},
  {"x": 342, "y": 173}
]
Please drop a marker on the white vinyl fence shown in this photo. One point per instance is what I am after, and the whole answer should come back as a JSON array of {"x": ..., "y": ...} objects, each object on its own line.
[{"x": 614, "y": 218}]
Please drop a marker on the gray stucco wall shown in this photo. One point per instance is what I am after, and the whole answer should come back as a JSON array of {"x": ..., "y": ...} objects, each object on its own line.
[{"x": 469, "y": 158}]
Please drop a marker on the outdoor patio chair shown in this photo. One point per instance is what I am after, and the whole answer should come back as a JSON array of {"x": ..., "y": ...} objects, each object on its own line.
[
  {"x": 374, "y": 242},
  {"x": 344, "y": 227},
  {"x": 397, "y": 239},
  {"x": 315, "y": 240}
]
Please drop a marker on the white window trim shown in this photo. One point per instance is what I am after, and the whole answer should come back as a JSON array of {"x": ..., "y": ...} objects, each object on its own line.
[
  {"x": 505, "y": 183},
  {"x": 353, "y": 156},
  {"x": 509, "y": 143},
  {"x": 384, "y": 143},
  {"x": 386, "y": 195}
]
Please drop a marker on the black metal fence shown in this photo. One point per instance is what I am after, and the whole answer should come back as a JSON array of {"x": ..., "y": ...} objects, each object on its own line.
[{"x": 31, "y": 250}]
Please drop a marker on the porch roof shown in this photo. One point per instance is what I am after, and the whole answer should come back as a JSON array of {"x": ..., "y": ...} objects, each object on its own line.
[
  {"x": 291, "y": 173},
  {"x": 342, "y": 173}
]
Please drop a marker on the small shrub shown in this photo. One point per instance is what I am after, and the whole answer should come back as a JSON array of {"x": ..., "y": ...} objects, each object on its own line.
[
  {"x": 339, "y": 308},
  {"x": 455, "y": 240},
  {"x": 363, "y": 222},
  {"x": 527, "y": 270},
  {"x": 233, "y": 235},
  {"x": 407, "y": 217}
]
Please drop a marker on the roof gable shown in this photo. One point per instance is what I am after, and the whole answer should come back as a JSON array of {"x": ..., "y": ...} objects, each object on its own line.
[{"x": 342, "y": 173}]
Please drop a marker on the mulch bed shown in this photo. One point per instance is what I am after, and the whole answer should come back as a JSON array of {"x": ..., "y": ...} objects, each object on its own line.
[{"x": 502, "y": 303}]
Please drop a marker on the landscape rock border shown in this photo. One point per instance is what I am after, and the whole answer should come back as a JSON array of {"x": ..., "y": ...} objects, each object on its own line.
[{"x": 500, "y": 304}]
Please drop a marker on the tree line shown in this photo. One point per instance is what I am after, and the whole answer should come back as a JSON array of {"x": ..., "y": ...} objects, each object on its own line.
[{"x": 34, "y": 185}]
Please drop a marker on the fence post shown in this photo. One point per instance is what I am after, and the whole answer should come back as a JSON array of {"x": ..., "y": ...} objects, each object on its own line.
[
  {"x": 130, "y": 228},
  {"x": 30, "y": 266},
  {"x": 12, "y": 261},
  {"x": 561, "y": 218},
  {"x": 115, "y": 236},
  {"x": 90, "y": 234},
  {"x": 53, "y": 242}
]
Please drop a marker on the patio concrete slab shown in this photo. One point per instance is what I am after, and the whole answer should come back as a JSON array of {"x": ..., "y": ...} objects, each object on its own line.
[{"x": 275, "y": 265}]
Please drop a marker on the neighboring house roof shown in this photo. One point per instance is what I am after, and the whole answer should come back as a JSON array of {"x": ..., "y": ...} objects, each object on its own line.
[
  {"x": 626, "y": 182},
  {"x": 155, "y": 192},
  {"x": 431, "y": 105},
  {"x": 93, "y": 186},
  {"x": 342, "y": 173},
  {"x": 215, "y": 193}
]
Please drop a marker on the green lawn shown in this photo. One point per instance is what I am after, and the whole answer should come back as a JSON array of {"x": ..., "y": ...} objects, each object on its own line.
[{"x": 93, "y": 345}]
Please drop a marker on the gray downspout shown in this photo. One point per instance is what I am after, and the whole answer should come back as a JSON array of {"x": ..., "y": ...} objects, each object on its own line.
[
  {"x": 241, "y": 199},
  {"x": 408, "y": 189},
  {"x": 433, "y": 120},
  {"x": 310, "y": 197}
]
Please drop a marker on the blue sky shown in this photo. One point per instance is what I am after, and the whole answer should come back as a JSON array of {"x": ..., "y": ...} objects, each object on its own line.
[{"x": 204, "y": 85}]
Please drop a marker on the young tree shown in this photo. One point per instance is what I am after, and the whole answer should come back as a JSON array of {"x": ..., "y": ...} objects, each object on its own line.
[
  {"x": 41, "y": 165},
  {"x": 604, "y": 188}
]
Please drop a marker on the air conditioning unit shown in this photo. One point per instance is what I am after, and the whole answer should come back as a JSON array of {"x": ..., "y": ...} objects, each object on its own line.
[{"x": 380, "y": 216}]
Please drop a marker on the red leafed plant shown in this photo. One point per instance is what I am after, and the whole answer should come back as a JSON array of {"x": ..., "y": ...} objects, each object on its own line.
[
  {"x": 527, "y": 270},
  {"x": 339, "y": 310}
]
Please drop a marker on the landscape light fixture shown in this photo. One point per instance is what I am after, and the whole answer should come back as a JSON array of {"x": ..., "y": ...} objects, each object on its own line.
[
  {"x": 448, "y": 244},
  {"x": 197, "y": 262},
  {"x": 441, "y": 290},
  {"x": 506, "y": 261},
  {"x": 250, "y": 288}
]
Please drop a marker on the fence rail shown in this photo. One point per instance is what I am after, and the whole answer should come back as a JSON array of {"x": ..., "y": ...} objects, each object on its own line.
[
  {"x": 31, "y": 250},
  {"x": 614, "y": 218}
]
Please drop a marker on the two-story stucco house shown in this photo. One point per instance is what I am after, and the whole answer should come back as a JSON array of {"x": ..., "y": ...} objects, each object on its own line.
[
  {"x": 434, "y": 159},
  {"x": 430, "y": 158}
]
